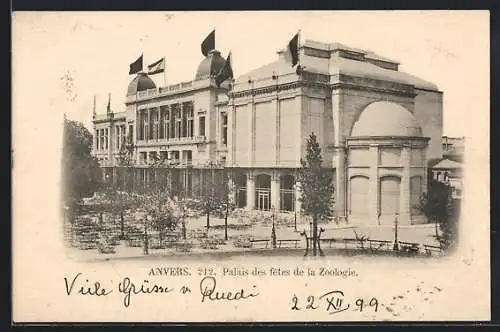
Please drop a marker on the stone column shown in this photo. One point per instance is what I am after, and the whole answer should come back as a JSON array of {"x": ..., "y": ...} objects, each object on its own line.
[
  {"x": 252, "y": 134},
  {"x": 138, "y": 124},
  {"x": 404, "y": 198},
  {"x": 149, "y": 124},
  {"x": 340, "y": 181},
  {"x": 110, "y": 143},
  {"x": 275, "y": 191},
  {"x": 250, "y": 191},
  {"x": 232, "y": 145},
  {"x": 277, "y": 140},
  {"x": 426, "y": 170},
  {"x": 373, "y": 191}
]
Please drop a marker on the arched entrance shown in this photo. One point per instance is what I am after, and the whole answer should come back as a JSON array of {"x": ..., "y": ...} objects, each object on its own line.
[
  {"x": 263, "y": 192},
  {"x": 358, "y": 198},
  {"x": 389, "y": 197}
]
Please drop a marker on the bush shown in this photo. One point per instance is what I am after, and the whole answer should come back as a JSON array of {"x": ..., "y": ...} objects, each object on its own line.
[
  {"x": 197, "y": 234},
  {"x": 184, "y": 246},
  {"x": 243, "y": 241},
  {"x": 210, "y": 243},
  {"x": 105, "y": 245}
]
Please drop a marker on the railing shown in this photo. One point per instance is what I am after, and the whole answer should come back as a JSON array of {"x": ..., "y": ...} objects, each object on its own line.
[
  {"x": 164, "y": 90},
  {"x": 172, "y": 141}
]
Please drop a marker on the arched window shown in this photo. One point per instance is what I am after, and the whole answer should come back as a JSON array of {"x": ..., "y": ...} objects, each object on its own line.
[
  {"x": 358, "y": 196},
  {"x": 389, "y": 195},
  {"x": 287, "y": 193},
  {"x": 263, "y": 192}
]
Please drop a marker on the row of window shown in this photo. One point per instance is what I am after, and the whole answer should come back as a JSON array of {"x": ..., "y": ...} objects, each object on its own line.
[
  {"x": 169, "y": 122},
  {"x": 162, "y": 124},
  {"x": 174, "y": 155}
]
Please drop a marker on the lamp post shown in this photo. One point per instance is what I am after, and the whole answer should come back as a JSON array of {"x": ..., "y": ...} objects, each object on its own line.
[
  {"x": 294, "y": 209},
  {"x": 273, "y": 230},
  {"x": 146, "y": 239},
  {"x": 396, "y": 243}
]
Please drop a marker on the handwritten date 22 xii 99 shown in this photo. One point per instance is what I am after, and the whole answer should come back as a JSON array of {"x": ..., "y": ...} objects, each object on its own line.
[{"x": 333, "y": 302}]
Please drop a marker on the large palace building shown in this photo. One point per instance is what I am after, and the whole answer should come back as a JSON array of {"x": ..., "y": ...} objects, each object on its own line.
[{"x": 377, "y": 127}]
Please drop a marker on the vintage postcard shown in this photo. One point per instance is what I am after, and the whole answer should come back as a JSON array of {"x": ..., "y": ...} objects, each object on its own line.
[{"x": 250, "y": 166}]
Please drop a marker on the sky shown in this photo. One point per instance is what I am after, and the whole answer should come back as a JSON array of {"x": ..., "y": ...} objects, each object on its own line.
[{"x": 74, "y": 56}]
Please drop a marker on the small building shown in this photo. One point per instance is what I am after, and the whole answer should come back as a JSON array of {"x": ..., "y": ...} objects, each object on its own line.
[{"x": 449, "y": 169}]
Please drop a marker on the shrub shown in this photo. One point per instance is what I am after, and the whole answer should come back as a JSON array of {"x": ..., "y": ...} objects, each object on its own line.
[
  {"x": 210, "y": 243},
  {"x": 184, "y": 246},
  {"x": 243, "y": 241},
  {"x": 198, "y": 234}
]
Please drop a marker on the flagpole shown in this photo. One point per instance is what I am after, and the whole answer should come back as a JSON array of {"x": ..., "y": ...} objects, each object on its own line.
[
  {"x": 298, "y": 47},
  {"x": 142, "y": 62}
]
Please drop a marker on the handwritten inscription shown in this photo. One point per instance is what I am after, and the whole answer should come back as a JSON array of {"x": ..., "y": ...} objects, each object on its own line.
[
  {"x": 209, "y": 291},
  {"x": 85, "y": 287},
  {"x": 333, "y": 302},
  {"x": 128, "y": 288}
]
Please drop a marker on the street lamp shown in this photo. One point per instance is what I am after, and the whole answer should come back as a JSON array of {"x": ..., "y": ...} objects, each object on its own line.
[
  {"x": 294, "y": 208},
  {"x": 146, "y": 238},
  {"x": 273, "y": 230},
  {"x": 396, "y": 243}
]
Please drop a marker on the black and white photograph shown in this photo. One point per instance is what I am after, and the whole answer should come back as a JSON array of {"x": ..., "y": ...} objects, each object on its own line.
[{"x": 251, "y": 166}]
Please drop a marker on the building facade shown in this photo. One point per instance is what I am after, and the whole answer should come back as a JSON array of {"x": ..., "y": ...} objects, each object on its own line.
[
  {"x": 377, "y": 128},
  {"x": 176, "y": 128}
]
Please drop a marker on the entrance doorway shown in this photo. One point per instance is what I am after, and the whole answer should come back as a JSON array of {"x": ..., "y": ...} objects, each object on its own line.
[{"x": 263, "y": 192}]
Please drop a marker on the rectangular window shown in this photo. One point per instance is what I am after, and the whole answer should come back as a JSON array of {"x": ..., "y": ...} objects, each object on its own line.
[
  {"x": 184, "y": 122},
  {"x": 97, "y": 139},
  {"x": 190, "y": 120},
  {"x": 146, "y": 127},
  {"x": 202, "y": 125},
  {"x": 172, "y": 121},
  {"x": 151, "y": 126},
  {"x": 166, "y": 124},
  {"x": 224, "y": 129},
  {"x": 106, "y": 139},
  {"x": 140, "y": 127},
  {"x": 176, "y": 121},
  {"x": 123, "y": 135},
  {"x": 130, "y": 133},
  {"x": 117, "y": 137},
  {"x": 101, "y": 139},
  {"x": 162, "y": 121},
  {"x": 156, "y": 123}
]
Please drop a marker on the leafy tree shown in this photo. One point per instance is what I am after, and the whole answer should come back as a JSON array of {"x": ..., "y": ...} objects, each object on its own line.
[
  {"x": 316, "y": 187},
  {"x": 214, "y": 194},
  {"x": 440, "y": 208},
  {"x": 80, "y": 170},
  {"x": 160, "y": 212}
]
